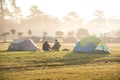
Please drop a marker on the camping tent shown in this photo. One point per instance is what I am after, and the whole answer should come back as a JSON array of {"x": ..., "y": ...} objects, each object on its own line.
[
  {"x": 36, "y": 39},
  {"x": 50, "y": 39},
  {"x": 47, "y": 38},
  {"x": 91, "y": 44},
  {"x": 23, "y": 45},
  {"x": 102, "y": 48},
  {"x": 70, "y": 40}
]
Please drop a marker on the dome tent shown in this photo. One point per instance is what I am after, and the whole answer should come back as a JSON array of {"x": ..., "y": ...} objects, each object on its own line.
[
  {"x": 23, "y": 45},
  {"x": 102, "y": 48},
  {"x": 91, "y": 44}
]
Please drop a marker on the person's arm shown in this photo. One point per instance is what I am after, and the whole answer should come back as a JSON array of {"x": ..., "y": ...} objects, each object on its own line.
[
  {"x": 59, "y": 44},
  {"x": 49, "y": 46}
]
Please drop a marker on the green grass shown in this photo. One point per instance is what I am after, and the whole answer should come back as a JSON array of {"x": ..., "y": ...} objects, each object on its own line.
[{"x": 63, "y": 65}]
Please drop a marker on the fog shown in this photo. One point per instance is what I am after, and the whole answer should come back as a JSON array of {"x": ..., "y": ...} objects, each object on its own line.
[{"x": 96, "y": 16}]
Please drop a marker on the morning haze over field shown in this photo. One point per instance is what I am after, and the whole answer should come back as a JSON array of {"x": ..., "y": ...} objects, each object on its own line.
[
  {"x": 59, "y": 40},
  {"x": 96, "y": 16}
]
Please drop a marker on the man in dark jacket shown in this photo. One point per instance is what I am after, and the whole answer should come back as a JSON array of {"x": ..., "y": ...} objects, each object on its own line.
[
  {"x": 56, "y": 46},
  {"x": 46, "y": 46}
]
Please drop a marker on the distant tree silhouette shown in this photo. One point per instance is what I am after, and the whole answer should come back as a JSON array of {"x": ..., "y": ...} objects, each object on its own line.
[
  {"x": 38, "y": 17},
  {"x": 72, "y": 19},
  {"x": 8, "y": 14},
  {"x": 20, "y": 34},
  {"x": 4, "y": 12},
  {"x": 59, "y": 34},
  {"x": 16, "y": 14},
  {"x": 36, "y": 14},
  {"x": 29, "y": 33},
  {"x": 13, "y": 31},
  {"x": 4, "y": 35},
  {"x": 12, "y": 11},
  {"x": 2, "y": 3}
]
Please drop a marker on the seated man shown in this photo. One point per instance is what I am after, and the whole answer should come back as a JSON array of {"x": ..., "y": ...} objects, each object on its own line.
[
  {"x": 46, "y": 46},
  {"x": 56, "y": 46}
]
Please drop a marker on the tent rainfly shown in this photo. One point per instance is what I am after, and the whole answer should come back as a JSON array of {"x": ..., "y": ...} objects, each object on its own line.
[
  {"x": 23, "y": 45},
  {"x": 91, "y": 44}
]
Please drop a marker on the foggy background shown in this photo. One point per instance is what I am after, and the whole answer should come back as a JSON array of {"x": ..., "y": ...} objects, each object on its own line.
[{"x": 70, "y": 18}]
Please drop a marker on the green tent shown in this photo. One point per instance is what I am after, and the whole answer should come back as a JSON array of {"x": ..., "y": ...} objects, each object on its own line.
[
  {"x": 91, "y": 44},
  {"x": 89, "y": 39}
]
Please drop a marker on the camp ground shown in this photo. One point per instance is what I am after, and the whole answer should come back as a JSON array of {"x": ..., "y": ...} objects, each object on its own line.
[
  {"x": 59, "y": 39},
  {"x": 90, "y": 44},
  {"x": 88, "y": 59}
]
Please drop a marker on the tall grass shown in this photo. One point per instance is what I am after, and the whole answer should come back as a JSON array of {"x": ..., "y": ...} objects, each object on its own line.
[{"x": 62, "y": 65}]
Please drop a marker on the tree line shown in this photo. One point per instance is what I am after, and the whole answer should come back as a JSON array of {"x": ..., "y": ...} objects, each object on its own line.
[
  {"x": 79, "y": 34},
  {"x": 12, "y": 19}
]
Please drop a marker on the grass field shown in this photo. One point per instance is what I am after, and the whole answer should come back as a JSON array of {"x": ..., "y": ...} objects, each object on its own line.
[{"x": 62, "y": 65}]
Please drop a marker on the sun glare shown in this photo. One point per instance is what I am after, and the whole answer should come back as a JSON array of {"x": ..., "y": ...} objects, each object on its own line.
[
  {"x": 60, "y": 8},
  {"x": 84, "y": 8}
]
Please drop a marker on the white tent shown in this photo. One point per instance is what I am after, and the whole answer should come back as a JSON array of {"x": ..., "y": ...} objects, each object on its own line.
[
  {"x": 102, "y": 48},
  {"x": 23, "y": 45}
]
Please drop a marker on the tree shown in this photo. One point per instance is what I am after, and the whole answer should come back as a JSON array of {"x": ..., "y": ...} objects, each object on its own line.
[
  {"x": 12, "y": 12},
  {"x": 4, "y": 11},
  {"x": 16, "y": 11},
  {"x": 29, "y": 33},
  {"x": 13, "y": 31},
  {"x": 36, "y": 14},
  {"x": 16, "y": 15},
  {"x": 13, "y": 3},
  {"x": 2, "y": 2},
  {"x": 59, "y": 34},
  {"x": 20, "y": 34},
  {"x": 81, "y": 33},
  {"x": 4, "y": 35},
  {"x": 8, "y": 17},
  {"x": 73, "y": 19}
]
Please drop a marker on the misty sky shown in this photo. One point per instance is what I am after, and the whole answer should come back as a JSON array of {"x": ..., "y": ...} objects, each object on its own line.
[{"x": 84, "y": 8}]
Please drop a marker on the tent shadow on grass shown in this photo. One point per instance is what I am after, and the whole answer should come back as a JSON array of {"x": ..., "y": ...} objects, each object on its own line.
[
  {"x": 35, "y": 61},
  {"x": 77, "y": 58},
  {"x": 3, "y": 51}
]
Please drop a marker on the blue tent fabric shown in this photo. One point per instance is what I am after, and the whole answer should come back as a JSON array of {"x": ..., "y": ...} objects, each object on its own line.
[{"x": 90, "y": 47}]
